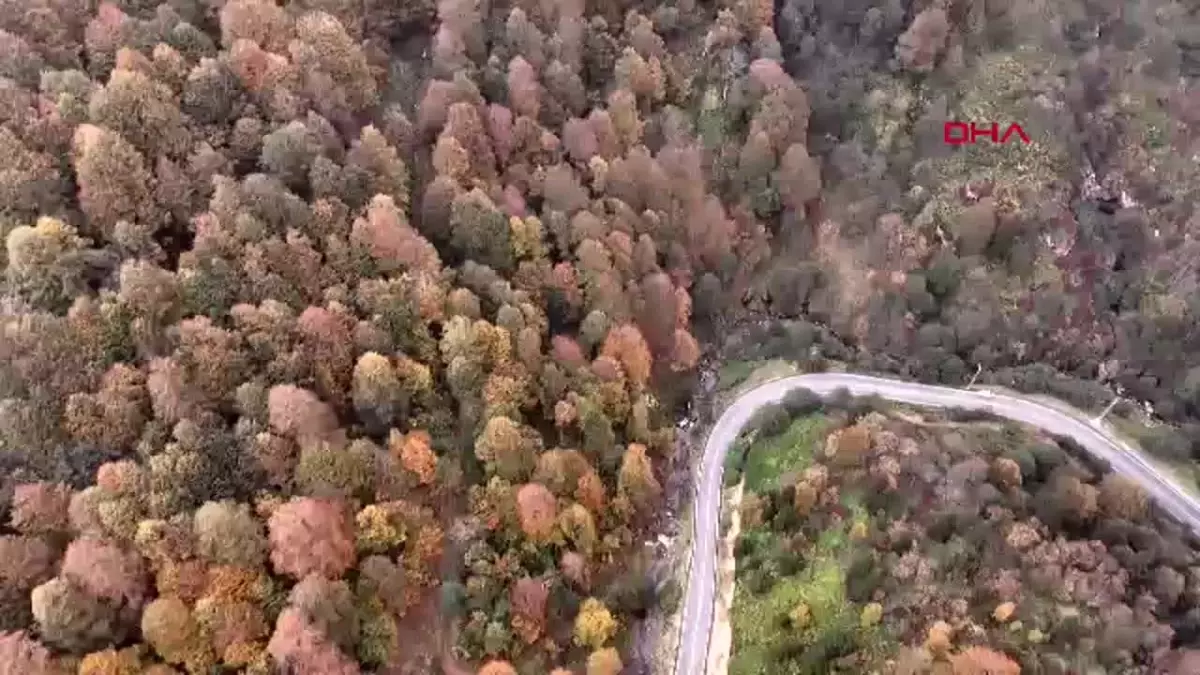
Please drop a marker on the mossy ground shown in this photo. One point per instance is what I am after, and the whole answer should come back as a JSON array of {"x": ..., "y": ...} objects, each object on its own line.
[
  {"x": 761, "y": 623},
  {"x": 733, "y": 373},
  {"x": 743, "y": 375},
  {"x": 793, "y": 450}
]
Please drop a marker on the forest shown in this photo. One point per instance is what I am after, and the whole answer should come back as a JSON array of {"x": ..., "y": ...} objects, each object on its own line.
[
  {"x": 895, "y": 541},
  {"x": 346, "y": 337}
]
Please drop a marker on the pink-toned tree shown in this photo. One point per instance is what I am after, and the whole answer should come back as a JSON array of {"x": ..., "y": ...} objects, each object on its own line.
[
  {"x": 528, "y": 598},
  {"x": 537, "y": 511},
  {"x": 524, "y": 90},
  {"x": 106, "y": 570},
  {"x": 386, "y": 234},
  {"x": 20, "y": 654},
  {"x": 40, "y": 508},
  {"x": 311, "y": 536},
  {"x": 298, "y": 413},
  {"x": 299, "y": 648}
]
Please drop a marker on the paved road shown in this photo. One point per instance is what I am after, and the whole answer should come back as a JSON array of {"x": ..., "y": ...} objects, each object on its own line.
[{"x": 699, "y": 599}]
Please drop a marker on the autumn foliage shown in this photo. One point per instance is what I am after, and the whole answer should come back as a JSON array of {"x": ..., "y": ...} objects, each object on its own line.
[
  {"x": 983, "y": 661},
  {"x": 291, "y": 317},
  {"x": 536, "y": 510},
  {"x": 310, "y": 536}
]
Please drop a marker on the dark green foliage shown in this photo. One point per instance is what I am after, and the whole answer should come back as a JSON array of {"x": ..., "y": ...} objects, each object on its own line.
[
  {"x": 943, "y": 275},
  {"x": 815, "y": 658},
  {"x": 801, "y": 402},
  {"x": 1048, "y": 457},
  {"x": 1025, "y": 459},
  {"x": 789, "y": 287},
  {"x": 768, "y": 421},
  {"x": 863, "y": 576}
]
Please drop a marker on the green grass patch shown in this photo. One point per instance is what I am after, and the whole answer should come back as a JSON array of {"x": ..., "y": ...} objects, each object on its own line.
[
  {"x": 744, "y": 375},
  {"x": 734, "y": 373},
  {"x": 761, "y": 623},
  {"x": 793, "y": 450},
  {"x": 793, "y": 612},
  {"x": 767, "y": 640}
]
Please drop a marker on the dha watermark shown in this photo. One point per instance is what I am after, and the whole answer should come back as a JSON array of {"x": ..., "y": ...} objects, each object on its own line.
[{"x": 963, "y": 133}]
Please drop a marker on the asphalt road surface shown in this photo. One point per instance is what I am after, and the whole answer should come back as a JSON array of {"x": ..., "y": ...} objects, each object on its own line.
[{"x": 699, "y": 598}]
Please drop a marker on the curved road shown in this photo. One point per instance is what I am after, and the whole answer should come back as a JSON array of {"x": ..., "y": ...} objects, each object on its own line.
[{"x": 701, "y": 591}]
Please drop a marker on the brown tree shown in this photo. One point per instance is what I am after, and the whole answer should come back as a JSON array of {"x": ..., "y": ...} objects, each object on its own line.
[
  {"x": 113, "y": 179},
  {"x": 1121, "y": 497},
  {"x": 637, "y": 479},
  {"x": 799, "y": 177},
  {"x": 626, "y": 345},
  {"x": 920, "y": 45}
]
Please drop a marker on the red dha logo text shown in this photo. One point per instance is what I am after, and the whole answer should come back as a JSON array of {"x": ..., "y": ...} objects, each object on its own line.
[{"x": 961, "y": 133}]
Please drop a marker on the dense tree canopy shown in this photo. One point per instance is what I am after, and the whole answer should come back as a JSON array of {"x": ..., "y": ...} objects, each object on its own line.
[{"x": 329, "y": 314}]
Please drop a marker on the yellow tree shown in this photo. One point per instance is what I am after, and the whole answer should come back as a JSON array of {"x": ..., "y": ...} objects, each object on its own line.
[
  {"x": 594, "y": 625},
  {"x": 605, "y": 661}
]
